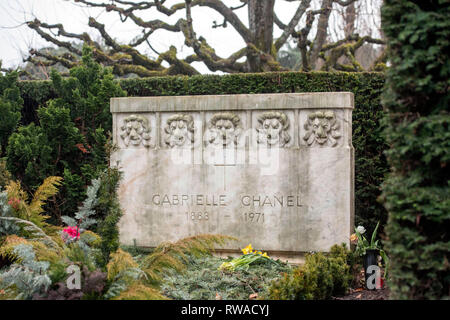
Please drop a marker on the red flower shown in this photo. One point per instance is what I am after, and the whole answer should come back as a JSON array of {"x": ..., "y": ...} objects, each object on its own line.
[{"x": 72, "y": 232}]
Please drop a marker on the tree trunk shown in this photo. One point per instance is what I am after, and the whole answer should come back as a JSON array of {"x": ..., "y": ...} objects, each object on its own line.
[
  {"x": 321, "y": 35},
  {"x": 260, "y": 17},
  {"x": 350, "y": 17}
]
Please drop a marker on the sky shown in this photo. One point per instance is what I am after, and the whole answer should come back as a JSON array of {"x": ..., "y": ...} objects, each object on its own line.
[{"x": 16, "y": 39}]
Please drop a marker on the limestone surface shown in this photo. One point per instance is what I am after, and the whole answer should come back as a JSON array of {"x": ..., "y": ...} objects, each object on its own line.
[{"x": 273, "y": 170}]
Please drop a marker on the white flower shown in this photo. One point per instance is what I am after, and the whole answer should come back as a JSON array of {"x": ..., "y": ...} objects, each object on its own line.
[{"x": 360, "y": 229}]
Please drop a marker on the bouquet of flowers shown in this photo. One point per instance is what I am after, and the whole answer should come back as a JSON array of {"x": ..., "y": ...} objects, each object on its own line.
[{"x": 243, "y": 262}]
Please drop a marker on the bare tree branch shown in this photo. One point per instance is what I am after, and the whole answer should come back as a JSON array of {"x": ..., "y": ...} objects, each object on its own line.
[
  {"x": 346, "y": 47},
  {"x": 302, "y": 36},
  {"x": 37, "y": 25},
  {"x": 258, "y": 54},
  {"x": 292, "y": 24}
]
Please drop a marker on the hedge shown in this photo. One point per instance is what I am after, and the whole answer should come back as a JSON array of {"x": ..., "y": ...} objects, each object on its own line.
[
  {"x": 370, "y": 163},
  {"x": 417, "y": 192},
  {"x": 69, "y": 137}
]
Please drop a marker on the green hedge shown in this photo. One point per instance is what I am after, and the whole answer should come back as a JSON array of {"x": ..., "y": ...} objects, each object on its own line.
[
  {"x": 417, "y": 192},
  {"x": 370, "y": 164}
]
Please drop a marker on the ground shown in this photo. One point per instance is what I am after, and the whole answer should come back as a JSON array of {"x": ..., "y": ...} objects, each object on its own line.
[
  {"x": 203, "y": 281},
  {"x": 363, "y": 294},
  {"x": 359, "y": 292}
]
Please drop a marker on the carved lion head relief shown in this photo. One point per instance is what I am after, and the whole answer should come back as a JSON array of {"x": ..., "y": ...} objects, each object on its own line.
[
  {"x": 272, "y": 129},
  {"x": 224, "y": 129},
  {"x": 322, "y": 128},
  {"x": 179, "y": 130},
  {"x": 135, "y": 130}
]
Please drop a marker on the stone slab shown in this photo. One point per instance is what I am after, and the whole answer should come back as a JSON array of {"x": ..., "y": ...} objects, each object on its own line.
[{"x": 273, "y": 170}]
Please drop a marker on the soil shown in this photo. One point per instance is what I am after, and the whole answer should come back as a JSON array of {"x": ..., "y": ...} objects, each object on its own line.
[
  {"x": 359, "y": 292},
  {"x": 364, "y": 294}
]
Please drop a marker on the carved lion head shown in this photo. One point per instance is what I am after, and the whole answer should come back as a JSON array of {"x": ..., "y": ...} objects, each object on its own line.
[
  {"x": 179, "y": 130},
  {"x": 272, "y": 128},
  {"x": 321, "y": 127},
  {"x": 135, "y": 129},
  {"x": 224, "y": 128}
]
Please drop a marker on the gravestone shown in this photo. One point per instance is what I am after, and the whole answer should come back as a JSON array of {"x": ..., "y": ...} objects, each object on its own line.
[{"x": 273, "y": 170}]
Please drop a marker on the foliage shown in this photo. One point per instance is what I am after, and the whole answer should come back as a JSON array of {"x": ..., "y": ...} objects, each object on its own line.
[
  {"x": 7, "y": 247},
  {"x": 27, "y": 219},
  {"x": 37, "y": 69},
  {"x": 174, "y": 255},
  {"x": 27, "y": 275},
  {"x": 29, "y": 157},
  {"x": 70, "y": 138},
  {"x": 108, "y": 212},
  {"x": 123, "y": 273},
  {"x": 6, "y": 225},
  {"x": 119, "y": 262},
  {"x": 82, "y": 254},
  {"x": 30, "y": 230},
  {"x": 416, "y": 98},
  {"x": 41, "y": 250},
  {"x": 51, "y": 250},
  {"x": 11, "y": 104},
  {"x": 321, "y": 277},
  {"x": 5, "y": 176},
  {"x": 83, "y": 217},
  {"x": 140, "y": 292},
  {"x": 92, "y": 286},
  {"x": 33, "y": 210},
  {"x": 59, "y": 292},
  {"x": 369, "y": 144},
  {"x": 131, "y": 279},
  {"x": 202, "y": 280}
]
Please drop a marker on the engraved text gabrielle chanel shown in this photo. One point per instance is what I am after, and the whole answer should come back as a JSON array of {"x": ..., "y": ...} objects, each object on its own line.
[{"x": 221, "y": 200}]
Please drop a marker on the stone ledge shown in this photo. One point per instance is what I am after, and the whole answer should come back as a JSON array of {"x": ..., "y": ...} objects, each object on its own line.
[{"x": 316, "y": 100}]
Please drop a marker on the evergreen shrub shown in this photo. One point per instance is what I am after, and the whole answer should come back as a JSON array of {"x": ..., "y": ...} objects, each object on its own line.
[
  {"x": 323, "y": 276},
  {"x": 416, "y": 194}
]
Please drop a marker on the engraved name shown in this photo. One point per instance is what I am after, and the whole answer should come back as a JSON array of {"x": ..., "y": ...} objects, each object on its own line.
[
  {"x": 189, "y": 200},
  {"x": 221, "y": 200}
]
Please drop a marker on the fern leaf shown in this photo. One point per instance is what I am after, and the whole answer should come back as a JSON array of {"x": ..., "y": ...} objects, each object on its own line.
[
  {"x": 7, "y": 247},
  {"x": 119, "y": 261},
  {"x": 15, "y": 190},
  {"x": 32, "y": 212},
  {"x": 37, "y": 233},
  {"x": 19, "y": 197},
  {"x": 140, "y": 292},
  {"x": 46, "y": 190},
  {"x": 174, "y": 255}
]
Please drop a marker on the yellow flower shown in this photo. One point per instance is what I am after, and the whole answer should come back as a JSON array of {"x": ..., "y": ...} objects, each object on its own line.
[
  {"x": 265, "y": 255},
  {"x": 353, "y": 237},
  {"x": 259, "y": 252},
  {"x": 247, "y": 249}
]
